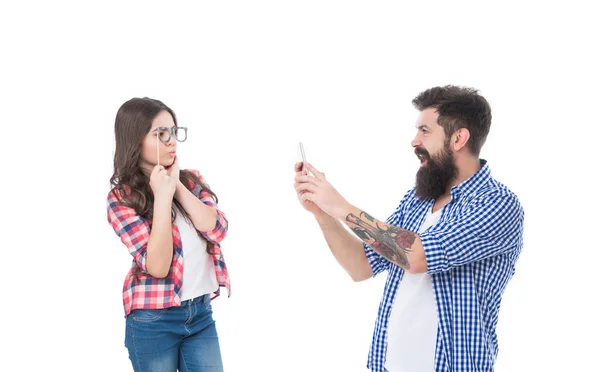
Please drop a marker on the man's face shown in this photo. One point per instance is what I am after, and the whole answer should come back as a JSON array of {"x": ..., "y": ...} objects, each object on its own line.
[{"x": 432, "y": 148}]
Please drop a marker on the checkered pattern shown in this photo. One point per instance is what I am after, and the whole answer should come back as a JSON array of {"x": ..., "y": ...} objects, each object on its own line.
[
  {"x": 140, "y": 289},
  {"x": 471, "y": 254}
]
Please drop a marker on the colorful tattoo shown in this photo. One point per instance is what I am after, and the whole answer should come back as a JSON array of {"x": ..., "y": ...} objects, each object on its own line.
[{"x": 390, "y": 241}]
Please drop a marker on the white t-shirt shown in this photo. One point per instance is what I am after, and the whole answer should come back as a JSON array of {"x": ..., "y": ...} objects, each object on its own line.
[
  {"x": 412, "y": 324},
  {"x": 198, "y": 267}
]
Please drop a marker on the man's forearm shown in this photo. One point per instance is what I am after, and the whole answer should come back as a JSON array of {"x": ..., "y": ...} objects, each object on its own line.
[
  {"x": 400, "y": 246},
  {"x": 346, "y": 248}
]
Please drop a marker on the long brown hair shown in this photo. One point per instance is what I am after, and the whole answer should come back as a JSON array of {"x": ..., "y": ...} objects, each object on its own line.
[{"x": 132, "y": 123}]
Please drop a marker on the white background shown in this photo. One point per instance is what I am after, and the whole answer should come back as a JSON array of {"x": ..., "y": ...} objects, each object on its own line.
[{"x": 251, "y": 79}]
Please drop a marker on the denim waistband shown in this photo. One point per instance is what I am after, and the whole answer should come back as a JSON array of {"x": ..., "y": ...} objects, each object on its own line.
[{"x": 203, "y": 298}]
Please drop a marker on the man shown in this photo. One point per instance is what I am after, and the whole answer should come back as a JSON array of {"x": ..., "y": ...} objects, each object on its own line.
[{"x": 450, "y": 247}]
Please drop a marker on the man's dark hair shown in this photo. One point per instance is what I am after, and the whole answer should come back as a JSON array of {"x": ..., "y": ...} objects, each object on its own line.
[{"x": 459, "y": 107}]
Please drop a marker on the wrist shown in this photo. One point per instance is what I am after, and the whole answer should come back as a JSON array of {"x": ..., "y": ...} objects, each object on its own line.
[
  {"x": 162, "y": 200},
  {"x": 345, "y": 210},
  {"x": 178, "y": 189},
  {"x": 323, "y": 219}
]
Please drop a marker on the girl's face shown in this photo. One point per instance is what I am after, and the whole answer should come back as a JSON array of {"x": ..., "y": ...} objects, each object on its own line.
[{"x": 165, "y": 155}]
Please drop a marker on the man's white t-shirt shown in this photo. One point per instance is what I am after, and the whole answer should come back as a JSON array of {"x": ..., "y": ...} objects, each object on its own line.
[{"x": 412, "y": 324}]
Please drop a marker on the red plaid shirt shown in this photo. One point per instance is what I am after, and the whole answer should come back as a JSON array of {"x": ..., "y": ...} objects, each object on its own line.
[{"x": 143, "y": 291}]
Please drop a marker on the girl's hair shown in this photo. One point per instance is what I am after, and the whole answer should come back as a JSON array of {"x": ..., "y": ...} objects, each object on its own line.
[{"x": 132, "y": 124}]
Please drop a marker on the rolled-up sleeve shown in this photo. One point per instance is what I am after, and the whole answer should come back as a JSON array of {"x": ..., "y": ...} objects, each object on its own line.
[
  {"x": 133, "y": 230},
  {"x": 378, "y": 262},
  {"x": 490, "y": 225},
  {"x": 219, "y": 232}
]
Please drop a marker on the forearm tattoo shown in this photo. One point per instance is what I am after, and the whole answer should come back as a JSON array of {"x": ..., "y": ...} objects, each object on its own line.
[{"x": 390, "y": 241}]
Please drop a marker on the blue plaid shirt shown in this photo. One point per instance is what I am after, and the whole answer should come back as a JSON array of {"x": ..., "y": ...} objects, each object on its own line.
[{"x": 471, "y": 254}]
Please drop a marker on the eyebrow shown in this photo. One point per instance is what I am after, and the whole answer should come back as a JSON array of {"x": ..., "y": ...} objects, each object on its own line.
[
  {"x": 421, "y": 126},
  {"x": 157, "y": 128}
]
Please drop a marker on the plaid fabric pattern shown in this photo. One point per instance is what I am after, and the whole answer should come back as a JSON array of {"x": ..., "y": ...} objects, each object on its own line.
[
  {"x": 140, "y": 289},
  {"x": 471, "y": 254}
]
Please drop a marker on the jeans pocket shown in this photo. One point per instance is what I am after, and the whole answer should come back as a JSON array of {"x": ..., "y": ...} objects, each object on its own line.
[
  {"x": 147, "y": 315},
  {"x": 208, "y": 303}
]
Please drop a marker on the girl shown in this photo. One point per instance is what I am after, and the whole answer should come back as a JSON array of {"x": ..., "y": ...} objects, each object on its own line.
[{"x": 169, "y": 221}]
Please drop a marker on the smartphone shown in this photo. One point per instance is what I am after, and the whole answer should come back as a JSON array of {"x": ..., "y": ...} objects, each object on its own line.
[{"x": 303, "y": 155}]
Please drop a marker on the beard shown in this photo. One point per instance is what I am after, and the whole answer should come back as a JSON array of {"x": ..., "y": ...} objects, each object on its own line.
[{"x": 434, "y": 177}]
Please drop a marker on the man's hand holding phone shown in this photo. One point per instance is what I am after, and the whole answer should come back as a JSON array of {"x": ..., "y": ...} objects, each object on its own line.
[{"x": 315, "y": 193}]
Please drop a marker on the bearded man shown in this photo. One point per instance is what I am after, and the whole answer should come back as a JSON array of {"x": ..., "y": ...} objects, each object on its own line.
[{"x": 449, "y": 248}]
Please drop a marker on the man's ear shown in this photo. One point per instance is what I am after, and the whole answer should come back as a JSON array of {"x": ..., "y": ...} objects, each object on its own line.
[{"x": 460, "y": 138}]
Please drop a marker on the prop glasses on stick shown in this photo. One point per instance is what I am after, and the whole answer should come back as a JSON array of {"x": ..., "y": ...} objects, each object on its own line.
[{"x": 164, "y": 135}]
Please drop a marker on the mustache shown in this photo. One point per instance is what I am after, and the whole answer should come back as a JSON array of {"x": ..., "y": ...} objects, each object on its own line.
[{"x": 422, "y": 152}]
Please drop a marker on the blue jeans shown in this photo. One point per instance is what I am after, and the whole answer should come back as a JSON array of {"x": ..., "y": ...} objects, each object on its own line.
[{"x": 180, "y": 338}]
